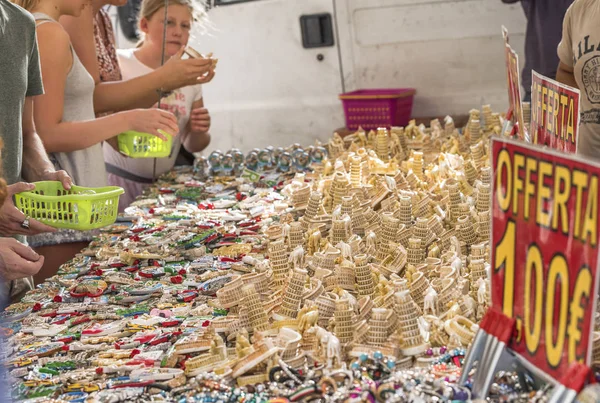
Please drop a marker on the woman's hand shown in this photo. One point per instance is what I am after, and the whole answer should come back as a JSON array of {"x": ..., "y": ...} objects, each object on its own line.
[
  {"x": 18, "y": 260},
  {"x": 11, "y": 219},
  {"x": 177, "y": 72},
  {"x": 199, "y": 120},
  {"x": 60, "y": 176},
  {"x": 152, "y": 120}
]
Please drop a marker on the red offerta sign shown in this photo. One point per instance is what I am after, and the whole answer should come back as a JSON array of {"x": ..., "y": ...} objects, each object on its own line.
[
  {"x": 554, "y": 113},
  {"x": 545, "y": 252}
]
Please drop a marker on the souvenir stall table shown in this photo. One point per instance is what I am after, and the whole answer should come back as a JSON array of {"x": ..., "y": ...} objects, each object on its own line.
[{"x": 350, "y": 271}]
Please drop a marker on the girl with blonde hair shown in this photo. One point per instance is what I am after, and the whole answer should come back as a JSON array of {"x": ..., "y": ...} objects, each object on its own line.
[{"x": 185, "y": 103}]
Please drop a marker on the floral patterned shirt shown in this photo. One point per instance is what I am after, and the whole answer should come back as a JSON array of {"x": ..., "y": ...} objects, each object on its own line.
[{"x": 106, "y": 51}]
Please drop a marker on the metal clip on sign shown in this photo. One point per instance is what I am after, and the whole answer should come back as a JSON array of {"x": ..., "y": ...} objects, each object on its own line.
[
  {"x": 493, "y": 336},
  {"x": 570, "y": 384}
]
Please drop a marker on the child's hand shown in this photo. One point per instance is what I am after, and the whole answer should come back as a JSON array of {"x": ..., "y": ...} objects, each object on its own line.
[
  {"x": 152, "y": 120},
  {"x": 177, "y": 72},
  {"x": 199, "y": 120}
]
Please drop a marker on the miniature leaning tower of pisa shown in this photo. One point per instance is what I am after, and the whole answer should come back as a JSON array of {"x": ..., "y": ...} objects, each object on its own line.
[
  {"x": 364, "y": 278},
  {"x": 475, "y": 131},
  {"x": 378, "y": 327},
  {"x": 348, "y": 206},
  {"x": 382, "y": 147},
  {"x": 467, "y": 232},
  {"x": 487, "y": 118},
  {"x": 404, "y": 213},
  {"x": 470, "y": 172},
  {"x": 447, "y": 294},
  {"x": 296, "y": 235},
  {"x": 257, "y": 316},
  {"x": 496, "y": 121},
  {"x": 279, "y": 259},
  {"x": 356, "y": 171},
  {"x": 455, "y": 199},
  {"x": 399, "y": 131},
  {"x": 416, "y": 252},
  {"x": 344, "y": 329},
  {"x": 416, "y": 164},
  {"x": 364, "y": 158},
  {"x": 477, "y": 269},
  {"x": 421, "y": 230},
  {"x": 407, "y": 316},
  {"x": 339, "y": 188},
  {"x": 486, "y": 175},
  {"x": 389, "y": 230},
  {"x": 478, "y": 155},
  {"x": 483, "y": 197},
  {"x": 341, "y": 229},
  {"x": 313, "y": 208},
  {"x": 358, "y": 218},
  {"x": 293, "y": 294},
  {"x": 484, "y": 225},
  {"x": 478, "y": 251}
]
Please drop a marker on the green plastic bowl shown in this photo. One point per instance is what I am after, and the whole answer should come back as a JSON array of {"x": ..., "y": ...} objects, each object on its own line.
[
  {"x": 80, "y": 208},
  {"x": 144, "y": 145}
]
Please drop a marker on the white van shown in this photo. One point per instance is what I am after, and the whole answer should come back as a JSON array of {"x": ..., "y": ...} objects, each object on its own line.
[{"x": 283, "y": 63}]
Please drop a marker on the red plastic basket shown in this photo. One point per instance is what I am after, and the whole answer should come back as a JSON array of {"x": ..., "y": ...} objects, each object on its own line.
[{"x": 375, "y": 108}]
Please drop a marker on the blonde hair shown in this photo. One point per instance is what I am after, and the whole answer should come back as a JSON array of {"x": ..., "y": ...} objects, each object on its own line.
[
  {"x": 28, "y": 5},
  {"x": 150, "y": 7}
]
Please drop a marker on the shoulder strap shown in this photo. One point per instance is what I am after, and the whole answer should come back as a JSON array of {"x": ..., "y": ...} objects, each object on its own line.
[{"x": 41, "y": 19}]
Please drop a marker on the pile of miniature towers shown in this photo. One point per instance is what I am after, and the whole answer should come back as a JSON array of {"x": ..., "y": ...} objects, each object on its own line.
[{"x": 387, "y": 253}]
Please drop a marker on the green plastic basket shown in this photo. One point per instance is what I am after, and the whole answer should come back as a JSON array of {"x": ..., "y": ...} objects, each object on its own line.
[
  {"x": 144, "y": 145},
  {"x": 80, "y": 208}
]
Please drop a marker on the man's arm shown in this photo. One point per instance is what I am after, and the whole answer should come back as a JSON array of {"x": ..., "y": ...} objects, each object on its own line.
[
  {"x": 565, "y": 75},
  {"x": 36, "y": 164}
]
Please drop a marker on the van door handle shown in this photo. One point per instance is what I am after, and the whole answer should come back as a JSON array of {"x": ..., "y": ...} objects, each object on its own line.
[{"x": 317, "y": 30}]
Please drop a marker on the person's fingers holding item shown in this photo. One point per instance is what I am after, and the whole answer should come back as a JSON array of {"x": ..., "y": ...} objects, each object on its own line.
[
  {"x": 160, "y": 130},
  {"x": 179, "y": 53},
  {"x": 169, "y": 127},
  {"x": 12, "y": 221},
  {"x": 200, "y": 64},
  {"x": 36, "y": 227},
  {"x": 20, "y": 187},
  {"x": 64, "y": 178},
  {"x": 23, "y": 250},
  {"x": 207, "y": 78},
  {"x": 198, "y": 67},
  {"x": 26, "y": 268},
  {"x": 171, "y": 118},
  {"x": 18, "y": 260}
]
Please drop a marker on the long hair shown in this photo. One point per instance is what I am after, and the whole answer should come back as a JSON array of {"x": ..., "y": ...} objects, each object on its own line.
[
  {"x": 28, "y": 5},
  {"x": 150, "y": 7}
]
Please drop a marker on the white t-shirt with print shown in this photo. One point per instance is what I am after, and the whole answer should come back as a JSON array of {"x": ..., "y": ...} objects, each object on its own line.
[
  {"x": 580, "y": 49},
  {"x": 179, "y": 102}
]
